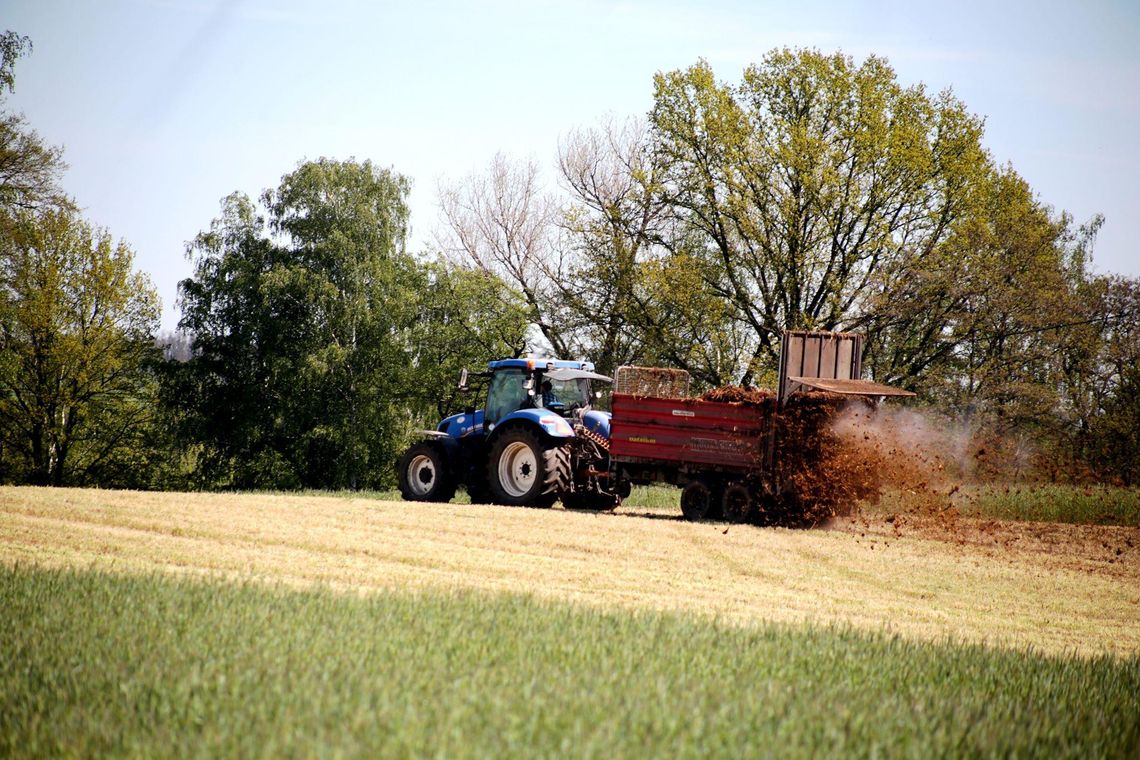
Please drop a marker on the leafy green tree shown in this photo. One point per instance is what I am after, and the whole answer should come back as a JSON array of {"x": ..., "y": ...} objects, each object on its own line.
[
  {"x": 224, "y": 401},
  {"x": 75, "y": 327},
  {"x": 76, "y": 396},
  {"x": 465, "y": 317},
  {"x": 294, "y": 321},
  {"x": 625, "y": 297},
  {"x": 1115, "y": 433},
  {"x": 12, "y": 47},
  {"x": 974, "y": 318},
  {"x": 1105, "y": 391},
  {"x": 318, "y": 342},
  {"x": 809, "y": 183},
  {"x": 346, "y": 226}
]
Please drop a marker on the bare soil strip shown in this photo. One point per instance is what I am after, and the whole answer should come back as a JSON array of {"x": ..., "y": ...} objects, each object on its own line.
[{"x": 1053, "y": 588}]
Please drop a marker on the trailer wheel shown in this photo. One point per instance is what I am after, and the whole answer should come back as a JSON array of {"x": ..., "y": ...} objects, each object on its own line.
[
  {"x": 522, "y": 470},
  {"x": 697, "y": 501},
  {"x": 736, "y": 504},
  {"x": 424, "y": 475}
]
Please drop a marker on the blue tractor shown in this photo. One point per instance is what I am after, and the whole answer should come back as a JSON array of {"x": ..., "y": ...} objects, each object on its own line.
[{"x": 537, "y": 441}]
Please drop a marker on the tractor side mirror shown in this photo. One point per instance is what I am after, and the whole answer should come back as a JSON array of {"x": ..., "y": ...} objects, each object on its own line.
[
  {"x": 529, "y": 385},
  {"x": 462, "y": 380}
]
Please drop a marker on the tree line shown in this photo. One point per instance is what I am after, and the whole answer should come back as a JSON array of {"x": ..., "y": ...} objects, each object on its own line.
[{"x": 817, "y": 192}]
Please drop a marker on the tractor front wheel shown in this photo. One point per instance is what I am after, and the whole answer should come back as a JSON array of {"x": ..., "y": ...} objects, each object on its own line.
[{"x": 424, "y": 475}]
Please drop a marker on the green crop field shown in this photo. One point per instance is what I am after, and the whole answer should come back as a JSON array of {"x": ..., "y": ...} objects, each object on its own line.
[{"x": 104, "y": 664}]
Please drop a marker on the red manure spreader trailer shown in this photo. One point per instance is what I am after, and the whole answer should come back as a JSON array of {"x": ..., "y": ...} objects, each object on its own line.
[{"x": 738, "y": 456}]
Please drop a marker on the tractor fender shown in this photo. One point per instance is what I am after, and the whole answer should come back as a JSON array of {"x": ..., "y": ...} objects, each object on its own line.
[
  {"x": 550, "y": 424},
  {"x": 597, "y": 422}
]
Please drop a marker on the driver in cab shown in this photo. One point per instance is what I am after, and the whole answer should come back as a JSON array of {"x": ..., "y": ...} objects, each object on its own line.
[{"x": 549, "y": 400}]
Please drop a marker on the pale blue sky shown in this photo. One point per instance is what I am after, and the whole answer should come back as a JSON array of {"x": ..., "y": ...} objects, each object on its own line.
[{"x": 166, "y": 106}]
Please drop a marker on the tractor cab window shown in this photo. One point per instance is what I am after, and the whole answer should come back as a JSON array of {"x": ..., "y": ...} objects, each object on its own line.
[
  {"x": 563, "y": 395},
  {"x": 506, "y": 394}
]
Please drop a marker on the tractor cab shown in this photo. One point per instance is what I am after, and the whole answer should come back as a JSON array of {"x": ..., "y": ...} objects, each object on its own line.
[
  {"x": 532, "y": 385},
  {"x": 556, "y": 386}
]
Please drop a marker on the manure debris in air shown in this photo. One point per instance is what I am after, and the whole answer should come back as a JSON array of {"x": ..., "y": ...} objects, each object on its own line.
[{"x": 833, "y": 452}]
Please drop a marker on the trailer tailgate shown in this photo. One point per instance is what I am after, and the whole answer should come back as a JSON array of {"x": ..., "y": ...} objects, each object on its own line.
[{"x": 849, "y": 387}]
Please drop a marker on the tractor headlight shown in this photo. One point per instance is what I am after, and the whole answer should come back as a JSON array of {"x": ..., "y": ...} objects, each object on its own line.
[{"x": 556, "y": 425}]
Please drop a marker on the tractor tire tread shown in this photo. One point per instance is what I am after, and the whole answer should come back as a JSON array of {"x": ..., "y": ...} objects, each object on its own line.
[{"x": 556, "y": 461}]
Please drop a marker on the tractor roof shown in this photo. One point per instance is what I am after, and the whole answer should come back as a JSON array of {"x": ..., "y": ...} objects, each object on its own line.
[{"x": 539, "y": 363}]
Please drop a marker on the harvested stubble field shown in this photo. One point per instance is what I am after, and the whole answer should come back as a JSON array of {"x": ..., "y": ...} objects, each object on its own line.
[{"x": 1050, "y": 587}]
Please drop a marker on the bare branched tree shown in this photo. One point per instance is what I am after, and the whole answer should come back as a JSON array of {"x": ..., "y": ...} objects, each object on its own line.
[
  {"x": 502, "y": 221},
  {"x": 608, "y": 174},
  {"x": 625, "y": 297}
]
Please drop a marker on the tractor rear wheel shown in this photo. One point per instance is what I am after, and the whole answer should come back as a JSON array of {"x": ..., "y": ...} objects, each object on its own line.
[
  {"x": 424, "y": 475},
  {"x": 525, "y": 470}
]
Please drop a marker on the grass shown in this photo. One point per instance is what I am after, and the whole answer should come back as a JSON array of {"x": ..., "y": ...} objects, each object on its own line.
[
  {"x": 1062, "y": 597},
  {"x": 152, "y": 666},
  {"x": 655, "y": 499},
  {"x": 1079, "y": 505},
  {"x": 1074, "y": 505}
]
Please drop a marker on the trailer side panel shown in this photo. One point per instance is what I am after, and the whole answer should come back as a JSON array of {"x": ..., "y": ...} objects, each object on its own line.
[{"x": 688, "y": 432}]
